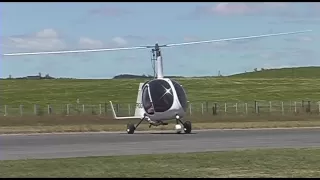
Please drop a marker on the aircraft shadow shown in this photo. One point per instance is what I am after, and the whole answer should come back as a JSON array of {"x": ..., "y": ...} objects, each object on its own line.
[
  {"x": 169, "y": 133},
  {"x": 160, "y": 133}
]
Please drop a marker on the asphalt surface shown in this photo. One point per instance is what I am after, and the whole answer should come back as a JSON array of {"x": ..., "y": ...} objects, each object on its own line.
[{"x": 104, "y": 144}]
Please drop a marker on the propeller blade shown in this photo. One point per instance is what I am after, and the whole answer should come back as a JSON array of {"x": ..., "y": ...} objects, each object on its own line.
[
  {"x": 235, "y": 38},
  {"x": 76, "y": 51}
]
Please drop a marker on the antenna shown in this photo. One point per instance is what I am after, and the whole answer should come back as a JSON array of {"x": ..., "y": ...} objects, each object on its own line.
[{"x": 156, "y": 52}]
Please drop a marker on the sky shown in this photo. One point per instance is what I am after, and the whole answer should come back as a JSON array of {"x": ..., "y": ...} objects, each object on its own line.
[{"x": 30, "y": 27}]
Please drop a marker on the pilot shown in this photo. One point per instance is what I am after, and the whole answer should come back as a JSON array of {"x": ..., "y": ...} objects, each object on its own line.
[
  {"x": 150, "y": 110},
  {"x": 149, "y": 107}
]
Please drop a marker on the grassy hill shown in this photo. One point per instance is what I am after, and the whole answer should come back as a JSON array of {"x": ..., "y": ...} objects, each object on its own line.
[
  {"x": 296, "y": 72},
  {"x": 277, "y": 84}
]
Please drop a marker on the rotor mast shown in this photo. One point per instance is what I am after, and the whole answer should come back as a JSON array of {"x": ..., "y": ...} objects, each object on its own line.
[{"x": 159, "y": 61}]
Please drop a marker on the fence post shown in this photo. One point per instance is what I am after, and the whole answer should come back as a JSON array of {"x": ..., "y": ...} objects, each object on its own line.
[
  {"x": 257, "y": 107},
  {"x": 295, "y": 107},
  {"x": 190, "y": 109},
  {"x": 49, "y": 108},
  {"x": 270, "y": 106},
  {"x": 214, "y": 109},
  {"x": 282, "y": 108},
  {"x": 105, "y": 108},
  {"x": 100, "y": 109},
  {"x": 319, "y": 107},
  {"x": 117, "y": 107},
  {"x": 202, "y": 108},
  {"x": 308, "y": 110},
  {"x": 225, "y": 108},
  {"x": 5, "y": 110},
  {"x": 82, "y": 108},
  {"x": 236, "y": 108},
  {"x": 246, "y": 107},
  {"x": 129, "y": 109},
  {"x": 21, "y": 109}
]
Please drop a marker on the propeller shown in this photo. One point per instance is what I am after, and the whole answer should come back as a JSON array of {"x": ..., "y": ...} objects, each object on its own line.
[{"x": 155, "y": 46}]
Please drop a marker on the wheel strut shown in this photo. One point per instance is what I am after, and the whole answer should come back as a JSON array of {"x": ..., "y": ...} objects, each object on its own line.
[
  {"x": 178, "y": 120},
  {"x": 139, "y": 123}
]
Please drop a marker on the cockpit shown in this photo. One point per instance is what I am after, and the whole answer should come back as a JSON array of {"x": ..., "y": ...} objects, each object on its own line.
[{"x": 157, "y": 96}]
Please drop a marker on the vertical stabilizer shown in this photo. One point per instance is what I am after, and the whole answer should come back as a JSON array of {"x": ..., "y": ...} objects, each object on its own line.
[{"x": 139, "y": 112}]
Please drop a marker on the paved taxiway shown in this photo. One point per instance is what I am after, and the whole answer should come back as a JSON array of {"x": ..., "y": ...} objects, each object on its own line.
[{"x": 102, "y": 144}]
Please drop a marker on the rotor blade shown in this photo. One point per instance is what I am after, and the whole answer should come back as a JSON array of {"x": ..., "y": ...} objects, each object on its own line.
[
  {"x": 146, "y": 47},
  {"x": 235, "y": 38},
  {"x": 75, "y": 51}
]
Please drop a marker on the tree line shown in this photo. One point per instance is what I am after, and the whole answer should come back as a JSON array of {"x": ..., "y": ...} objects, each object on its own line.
[{"x": 121, "y": 76}]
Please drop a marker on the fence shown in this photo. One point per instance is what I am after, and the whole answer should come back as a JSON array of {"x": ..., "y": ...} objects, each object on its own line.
[{"x": 194, "y": 109}]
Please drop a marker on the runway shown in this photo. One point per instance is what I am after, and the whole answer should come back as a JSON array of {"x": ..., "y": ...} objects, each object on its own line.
[{"x": 104, "y": 144}]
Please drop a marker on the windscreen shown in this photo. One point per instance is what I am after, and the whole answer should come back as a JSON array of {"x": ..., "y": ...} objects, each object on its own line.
[
  {"x": 146, "y": 101},
  {"x": 161, "y": 95},
  {"x": 181, "y": 95}
]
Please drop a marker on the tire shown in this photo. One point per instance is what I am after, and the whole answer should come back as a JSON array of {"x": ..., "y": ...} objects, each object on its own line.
[
  {"x": 130, "y": 128},
  {"x": 187, "y": 126}
]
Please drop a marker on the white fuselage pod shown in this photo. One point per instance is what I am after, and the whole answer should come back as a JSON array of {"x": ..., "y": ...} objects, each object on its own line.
[{"x": 163, "y": 99}]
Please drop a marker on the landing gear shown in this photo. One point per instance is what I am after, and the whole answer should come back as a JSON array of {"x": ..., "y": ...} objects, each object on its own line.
[
  {"x": 186, "y": 125},
  {"x": 131, "y": 127},
  {"x": 180, "y": 126}
]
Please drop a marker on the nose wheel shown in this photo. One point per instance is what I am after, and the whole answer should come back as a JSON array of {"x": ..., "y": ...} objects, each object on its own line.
[{"x": 186, "y": 125}]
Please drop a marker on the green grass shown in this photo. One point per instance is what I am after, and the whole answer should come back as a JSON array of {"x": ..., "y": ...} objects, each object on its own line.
[
  {"x": 244, "y": 163},
  {"x": 266, "y": 85}
]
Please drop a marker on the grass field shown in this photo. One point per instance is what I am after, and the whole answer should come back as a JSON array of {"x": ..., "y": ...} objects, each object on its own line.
[
  {"x": 265, "y": 85},
  {"x": 245, "y": 163},
  {"x": 269, "y": 85}
]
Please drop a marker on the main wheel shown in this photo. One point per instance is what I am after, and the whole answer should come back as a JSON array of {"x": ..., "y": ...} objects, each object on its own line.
[
  {"x": 130, "y": 128},
  {"x": 187, "y": 127}
]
